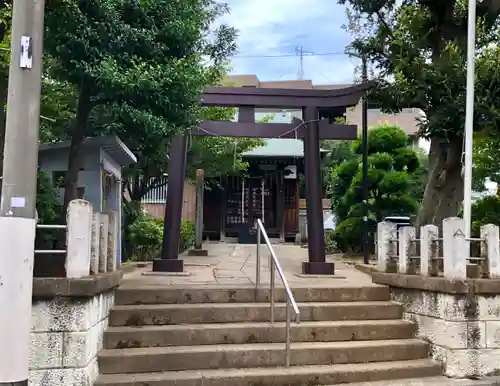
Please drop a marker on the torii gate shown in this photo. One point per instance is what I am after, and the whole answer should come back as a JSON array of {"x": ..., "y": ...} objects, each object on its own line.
[{"x": 312, "y": 129}]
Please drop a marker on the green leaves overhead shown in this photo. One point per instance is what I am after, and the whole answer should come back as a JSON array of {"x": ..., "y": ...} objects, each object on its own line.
[{"x": 417, "y": 50}]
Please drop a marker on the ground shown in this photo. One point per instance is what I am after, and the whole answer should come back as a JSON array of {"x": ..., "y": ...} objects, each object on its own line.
[{"x": 235, "y": 264}]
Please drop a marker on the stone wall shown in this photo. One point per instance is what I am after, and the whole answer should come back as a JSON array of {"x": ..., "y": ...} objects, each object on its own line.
[
  {"x": 451, "y": 294},
  {"x": 465, "y": 334},
  {"x": 68, "y": 322}
]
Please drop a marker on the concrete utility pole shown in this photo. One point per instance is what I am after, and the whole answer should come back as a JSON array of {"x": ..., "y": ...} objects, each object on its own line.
[
  {"x": 364, "y": 126},
  {"x": 17, "y": 205}
]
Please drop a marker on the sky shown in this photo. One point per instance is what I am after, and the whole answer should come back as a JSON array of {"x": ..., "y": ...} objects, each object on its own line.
[{"x": 278, "y": 27}]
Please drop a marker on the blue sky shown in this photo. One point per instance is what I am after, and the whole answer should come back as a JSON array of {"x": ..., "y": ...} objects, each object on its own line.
[{"x": 277, "y": 27}]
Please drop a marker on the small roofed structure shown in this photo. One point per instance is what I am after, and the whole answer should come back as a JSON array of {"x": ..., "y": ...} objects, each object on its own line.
[
  {"x": 100, "y": 178},
  {"x": 272, "y": 182}
]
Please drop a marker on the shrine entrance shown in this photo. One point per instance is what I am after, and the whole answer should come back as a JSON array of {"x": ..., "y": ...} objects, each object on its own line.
[{"x": 319, "y": 107}]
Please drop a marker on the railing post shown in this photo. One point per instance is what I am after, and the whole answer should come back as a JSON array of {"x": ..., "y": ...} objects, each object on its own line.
[
  {"x": 287, "y": 333},
  {"x": 257, "y": 268},
  {"x": 271, "y": 267}
]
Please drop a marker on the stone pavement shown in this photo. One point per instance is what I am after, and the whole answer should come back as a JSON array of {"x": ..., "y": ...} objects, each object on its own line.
[{"x": 235, "y": 264}]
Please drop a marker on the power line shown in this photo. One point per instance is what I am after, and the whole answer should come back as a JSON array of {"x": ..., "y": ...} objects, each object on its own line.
[{"x": 289, "y": 55}]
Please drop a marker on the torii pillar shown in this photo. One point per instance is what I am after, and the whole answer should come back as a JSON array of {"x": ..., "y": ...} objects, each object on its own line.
[{"x": 316, "y": 265}]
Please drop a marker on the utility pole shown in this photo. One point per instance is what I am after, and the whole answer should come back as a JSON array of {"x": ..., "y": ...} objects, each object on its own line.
[
  {"x": 18, "y": 197},
  {"x": 300, "y": 52},
  {"x": 469, "y": 115},
  {"x": 364, "y": 126}
]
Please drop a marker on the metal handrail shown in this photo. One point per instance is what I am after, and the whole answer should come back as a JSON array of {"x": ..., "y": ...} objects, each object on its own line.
[
  {"x": 47, "y": 251},
  {"x": 290, "y": 300}
]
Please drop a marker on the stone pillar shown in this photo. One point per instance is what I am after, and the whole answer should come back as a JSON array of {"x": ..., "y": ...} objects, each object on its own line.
[
  {"x": 384, "y": 233},
  {"x": 200, "y": 190},
  {"x": 428, "y": 233},
  {"x": 405, "y": 243},
  {"x": 455, "y": 249},
  {"x": 96, "y": 238},
  {"x": 112, "y": 255},
  {"x": 79, "y": 237},
  {"x": 103, "y": 242},
  {"x": 490, "y": 234}
]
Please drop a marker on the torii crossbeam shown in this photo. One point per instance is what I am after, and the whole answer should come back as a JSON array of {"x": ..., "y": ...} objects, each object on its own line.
[{"x": 311, "y": 129}]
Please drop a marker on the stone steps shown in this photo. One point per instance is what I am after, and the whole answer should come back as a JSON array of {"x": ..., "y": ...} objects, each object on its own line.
[
  {"x": 166, "y": 336},
  {"x": 156, "y": 359},
  {"x": 131, "y": 295},
  {"x": 165, "y": 314},
  {"x": 264, "y": 332},
  {"x": 279, "y": 376}
]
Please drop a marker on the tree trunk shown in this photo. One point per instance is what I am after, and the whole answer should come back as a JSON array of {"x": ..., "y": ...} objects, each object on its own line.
[
  {"x": 443, "y": 194},
  {"x": 75, "y": 151}
]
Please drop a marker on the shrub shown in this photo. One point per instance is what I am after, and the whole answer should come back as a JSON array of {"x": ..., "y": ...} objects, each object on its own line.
[
  {"x": 145, "y": 237},
  {"x": 330, "y": 243},
  {"x": 187, "y": 238}
]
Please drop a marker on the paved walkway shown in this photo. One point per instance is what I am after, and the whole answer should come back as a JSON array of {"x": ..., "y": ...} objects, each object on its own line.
[{"x": 235, "y": 264}]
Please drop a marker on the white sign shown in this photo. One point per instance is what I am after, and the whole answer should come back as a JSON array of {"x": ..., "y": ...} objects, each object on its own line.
[{"x": 26, "y": 60}]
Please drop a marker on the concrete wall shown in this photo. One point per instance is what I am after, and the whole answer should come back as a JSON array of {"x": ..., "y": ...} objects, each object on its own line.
[{"x": 66, "y": 336}]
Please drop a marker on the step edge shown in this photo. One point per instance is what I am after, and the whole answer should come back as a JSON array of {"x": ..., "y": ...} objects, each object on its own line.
[{"x": 256, "y": 347}]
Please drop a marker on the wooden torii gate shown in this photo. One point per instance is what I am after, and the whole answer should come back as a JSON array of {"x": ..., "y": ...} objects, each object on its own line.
[{"x": 314, "y": 103}]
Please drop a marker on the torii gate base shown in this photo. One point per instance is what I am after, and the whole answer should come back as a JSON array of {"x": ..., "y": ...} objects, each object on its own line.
[{"x": 311, "y": 130}]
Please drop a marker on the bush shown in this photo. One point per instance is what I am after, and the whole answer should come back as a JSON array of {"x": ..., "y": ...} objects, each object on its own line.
[
  {"x": 349, "y": 234},
  {"x": 187, "y": 238},
  {"x": 145, "y": 237},
  {"x": 330, "y": 243}
]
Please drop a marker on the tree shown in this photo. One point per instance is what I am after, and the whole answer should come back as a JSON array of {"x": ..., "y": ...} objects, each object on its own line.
[
  {"x": 138, "y": 69},
  {"x": 418, "y": 48},
  {"x": 390, "y": 167},
  {"x": 486, "y": 160}
]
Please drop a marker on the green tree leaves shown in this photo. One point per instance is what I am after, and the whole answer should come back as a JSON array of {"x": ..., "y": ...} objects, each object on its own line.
[{"x": 390, "y": 167}]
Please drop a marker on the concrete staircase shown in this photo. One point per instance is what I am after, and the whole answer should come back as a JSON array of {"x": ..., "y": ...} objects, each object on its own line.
[{"x": 163, "y": 336}]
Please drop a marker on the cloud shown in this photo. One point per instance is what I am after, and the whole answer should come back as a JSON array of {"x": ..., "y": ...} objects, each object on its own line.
[{"x": 277, "y": 27}]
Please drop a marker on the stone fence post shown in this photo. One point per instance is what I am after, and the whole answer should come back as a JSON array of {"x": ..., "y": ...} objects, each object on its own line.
[
  {"x": 428, "y": 248},
  {"x": 384, "y": 234},
  {"x": 405, "y": 246},
  {"x": 103, "y": 242},
  {"x": 490, "y": 234},
  {"x": 96, "y": 238},
  {"x": 112, "y": 253},
  {"x": 78, "y": 238},
  {"x": 455, "y": 249}
]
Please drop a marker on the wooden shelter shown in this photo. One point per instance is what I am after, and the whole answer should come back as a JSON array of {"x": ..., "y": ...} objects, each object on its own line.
[{"x": 319, "y": 107}]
